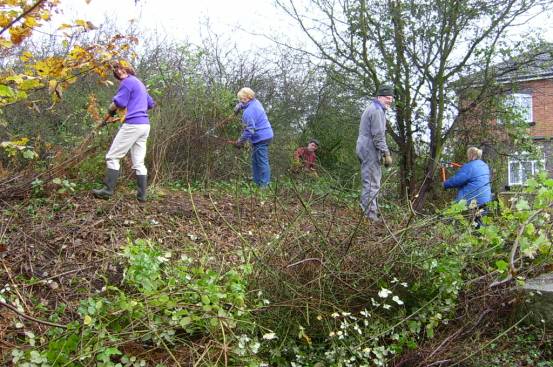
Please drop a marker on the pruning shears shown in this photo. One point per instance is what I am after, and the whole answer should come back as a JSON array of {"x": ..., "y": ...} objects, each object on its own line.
[
  {"x": 444, "y": 165},
  {"x": 211, "y": 133}
]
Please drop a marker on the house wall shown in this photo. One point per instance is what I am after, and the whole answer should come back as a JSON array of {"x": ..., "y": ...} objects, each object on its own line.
[
  {"x": 542, "y": 109},
  {"x": 547, "y": 147},
  {"x": 474, "y": 129},
  {"x": 542, "y": 106}
]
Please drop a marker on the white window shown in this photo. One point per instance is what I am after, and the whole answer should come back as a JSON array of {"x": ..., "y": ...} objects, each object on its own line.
[
  {"x": 520, "y": 104},
  {"x": 521, "y": 168}
]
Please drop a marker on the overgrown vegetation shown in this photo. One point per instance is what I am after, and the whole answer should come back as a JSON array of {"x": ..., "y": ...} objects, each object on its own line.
[
  {"x": 292, "y": 289},
  {"x": 212, "y": 271}
]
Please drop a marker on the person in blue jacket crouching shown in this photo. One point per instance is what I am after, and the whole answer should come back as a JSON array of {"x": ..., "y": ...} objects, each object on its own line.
[{"x": 472, "y": 181}]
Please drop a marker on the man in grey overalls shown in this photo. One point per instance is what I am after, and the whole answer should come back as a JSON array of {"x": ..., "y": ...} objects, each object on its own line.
[{"x": 372, "y": 149}]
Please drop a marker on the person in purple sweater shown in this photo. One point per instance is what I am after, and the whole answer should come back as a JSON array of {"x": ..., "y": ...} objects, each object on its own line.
[
  {"x": 258, "y": 130},
  {"x": 133, "y": 134}
]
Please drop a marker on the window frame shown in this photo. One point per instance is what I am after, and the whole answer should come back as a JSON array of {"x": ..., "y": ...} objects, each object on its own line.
[
  {"x": 514, "y": 103},
  {"x": 520, "y": 159}
]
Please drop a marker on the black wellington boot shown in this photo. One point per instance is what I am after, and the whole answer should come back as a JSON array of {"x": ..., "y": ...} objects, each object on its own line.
[
  {"x": 109, "y": 184},
  {"x": 142, "y": 185}
]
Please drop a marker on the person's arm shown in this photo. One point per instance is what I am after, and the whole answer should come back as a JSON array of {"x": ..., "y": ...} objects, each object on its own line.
[
  {"x": 122, "y": 97},
  {"x": 459, "y": 179},
  {"x": 249, "y": 129},
  {"x": 151, "y": 102},
  {"x": 378, "y": 132},
  {"x": 298, "y": 153}
]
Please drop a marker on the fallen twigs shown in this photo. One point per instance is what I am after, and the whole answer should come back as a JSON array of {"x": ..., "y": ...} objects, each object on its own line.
[{"x": 12, "y": 308}]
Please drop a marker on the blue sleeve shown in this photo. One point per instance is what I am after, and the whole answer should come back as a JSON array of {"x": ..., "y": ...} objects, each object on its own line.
[
  {"x": 459, "y": 179},
  {"x": 121, "y": 99},
  {"x": 249, "y": 130},
  {"x": 151, "y": 102}
]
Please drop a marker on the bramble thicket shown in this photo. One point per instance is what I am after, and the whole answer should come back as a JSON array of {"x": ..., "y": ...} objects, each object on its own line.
[{"x": 214, "y": 271}]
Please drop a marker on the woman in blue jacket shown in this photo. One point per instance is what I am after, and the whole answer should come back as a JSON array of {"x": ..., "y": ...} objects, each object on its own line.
[
  {"x": 472, "y": 180},
  {"x": 258, "y": 131}
]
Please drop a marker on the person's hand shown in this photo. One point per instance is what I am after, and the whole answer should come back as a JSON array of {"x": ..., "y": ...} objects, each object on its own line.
[
  {"x": 388, "y": 160},
  {"x": 238, "y": 144},
  {"x": 108, "y": 119},
  {"x": 237, "y": 108}
]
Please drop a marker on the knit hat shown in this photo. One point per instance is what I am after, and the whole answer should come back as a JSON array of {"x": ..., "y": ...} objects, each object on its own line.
[{"x": 385, "y": 90}]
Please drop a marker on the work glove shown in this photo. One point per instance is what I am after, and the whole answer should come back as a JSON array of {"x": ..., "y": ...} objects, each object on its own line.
[
  {"x": 387, "y": 160},
  {"x": 238, "y": 144},
  {"x": 238, "y": 108}
]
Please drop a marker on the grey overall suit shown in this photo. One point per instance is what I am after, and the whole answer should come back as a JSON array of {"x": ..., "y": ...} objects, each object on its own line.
[{"x": 371, "y": 147}]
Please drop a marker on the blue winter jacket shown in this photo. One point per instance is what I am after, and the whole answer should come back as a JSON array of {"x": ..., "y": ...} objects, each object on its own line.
[
  {"x": 473, "y": 182},
  {"x": 257, "y": 126}
]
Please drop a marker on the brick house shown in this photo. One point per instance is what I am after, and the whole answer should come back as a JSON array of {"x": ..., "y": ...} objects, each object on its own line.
[
  {"x": 533, "y": 99},
  {"x": 528, "y": 90}
]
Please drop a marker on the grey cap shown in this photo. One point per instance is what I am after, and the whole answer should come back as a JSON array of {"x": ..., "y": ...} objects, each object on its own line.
[
  {"x": 385, "y": 90},
  {"x": 314, "y": 141}
]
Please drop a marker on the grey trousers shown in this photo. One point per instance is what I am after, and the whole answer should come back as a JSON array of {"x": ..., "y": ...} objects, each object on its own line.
[{"x": 371, "y": 174}]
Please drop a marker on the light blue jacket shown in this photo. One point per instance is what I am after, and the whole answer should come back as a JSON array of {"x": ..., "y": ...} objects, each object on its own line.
[
  {"x": 257, "y": 126},
  {"x": 473, "y": 182}
]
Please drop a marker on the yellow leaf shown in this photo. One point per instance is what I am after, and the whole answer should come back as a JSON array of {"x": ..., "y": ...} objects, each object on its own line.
[
  {"x": 21, "y": 142},
  {"x": 30, "y": 22},
  {"x": 64, "y": 26},
  {"x": 25, "y": 56},
  {"x": 4, "y": 20},
  {"x": 4, "y": 43},
  {"x": 42, "y": 68},
  {"x": 17, "y": 79},
  {"x": 17, "y": 34},
  {"x": 87, "y": 320},
  {"x": 45, "y": 15},
  {"x": 29, "y": 84},
  {"x": 81, "y": 22},
  {"x": 52, "y": 84}
]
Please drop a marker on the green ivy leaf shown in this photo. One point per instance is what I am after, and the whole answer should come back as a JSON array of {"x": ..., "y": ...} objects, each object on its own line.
[
  {"x": 501, "y": 266},
  {"x": 6, "y": 91},
  {"x": 29, "y": 154}
]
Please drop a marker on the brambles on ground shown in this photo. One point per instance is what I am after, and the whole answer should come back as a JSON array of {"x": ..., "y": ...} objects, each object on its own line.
[{"x": 228, "y": 274}]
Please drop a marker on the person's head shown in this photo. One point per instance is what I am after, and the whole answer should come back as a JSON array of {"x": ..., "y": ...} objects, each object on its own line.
[
  {"x": 313, "y": 145},
  {"x": 474, "y": 153},
  {"x": 385, "y": 95},
  {"x": 122, "y": 69},
  {"x": 245, "y": 95}
]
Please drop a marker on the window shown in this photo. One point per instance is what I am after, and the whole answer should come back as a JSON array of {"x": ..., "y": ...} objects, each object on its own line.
[
  {"x": 521, "y": 168},
  {"x": 521, "y": 105}
]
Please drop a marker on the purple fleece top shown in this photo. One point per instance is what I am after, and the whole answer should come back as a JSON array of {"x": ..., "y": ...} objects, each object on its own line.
[{"x": 133, "y": 96}]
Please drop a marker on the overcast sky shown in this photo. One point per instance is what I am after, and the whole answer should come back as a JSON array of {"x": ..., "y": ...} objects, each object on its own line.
[{"x": 183, "y": 19}]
